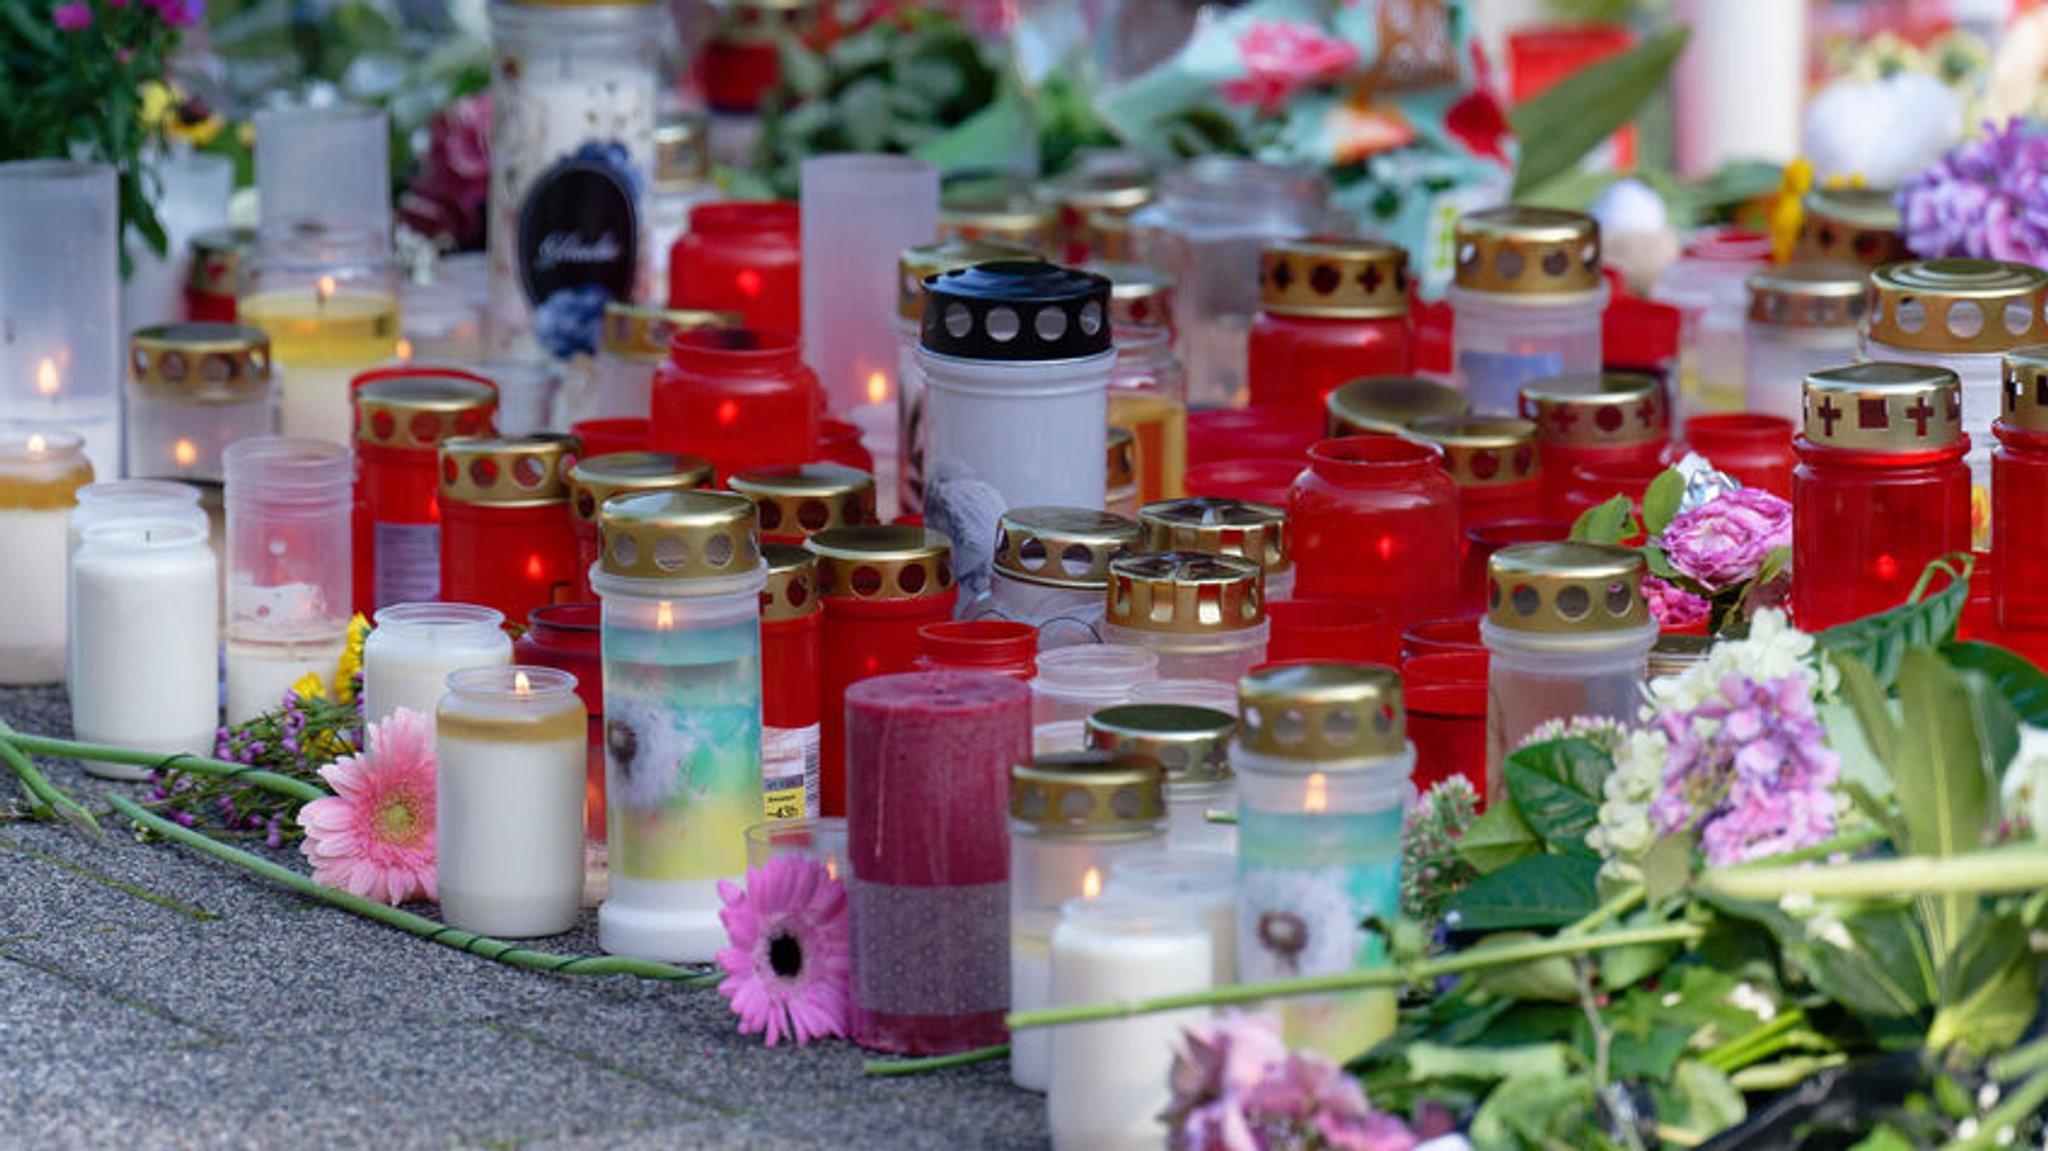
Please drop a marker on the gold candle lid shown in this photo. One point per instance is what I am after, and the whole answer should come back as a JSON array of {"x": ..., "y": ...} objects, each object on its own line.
[
  {"x": 996, "y": 209},
  {"x": 914, "y": 264},
  {"x": 1088, "y": 791},
  {"x": 792, "y": 591},
  {"x": 1191, "y": 743},
  {"x": 1322, "y": 712},
  {"x": 1122, "y": 462},
  {"x": 1121, "y": 189},
  {"x": 506, "y": 471},
  {"x": 641, "y": 332},
  {"x": 1062, "y": 547},
  {"x": 1480, "y": 451},
  {"x": 876, "y": 562},
  {"x": 47, "y": 469},
  {"x": 217, "y": 260},
  {"x": 1565, "y": 587},
  {"x": 682, "y": 153},
  {"x": 1388, "y": 404},
  {"x": 679, "y": 535},
  {"x": 1596, "y": 408},
  {"x": 1109, "y": 237},
  {"x": 420, "y": 412},
  {"x": 1858, "y": 225},
  {"x": 1819, "y": 294},
  {"x": 809, "y": 498},
  {"x": 1956, "y": 305},
  {"x": 1185, "y": 593},
  {"x": 1139, "y": 297},
  {"x": 1240, "y": 528},
  {"x": 1528, "y": 251},
  {"x": 1884, "y": 406},
  {"x": 763, "y": 22},
  {"x": 1334, "y": 279},
  {"x": 596, "y": 479},
  {"x": 2025, "y": 404},
  {"x": 206, "y": 363}
]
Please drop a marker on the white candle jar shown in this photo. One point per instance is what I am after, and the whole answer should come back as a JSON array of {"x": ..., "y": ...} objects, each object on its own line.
[
  {"x": 60, "y": 306},
  {"x": 620, "y": 384},
  {"x": 144, "y": 640},
  {"x": 1074, "y": 681},
  {"x": 1802, "y": 317},
  {"x": 415, "y": 647},
  {"x": 193, "y": 389},
  {"x": 681, "y": 581},
  {"x": 1203, "y": 615},
  {"x": 1202, "y": 882},
  {"x": 41, "y": 474},
  {"x": 508, "y": 816},
  {"x": 859, "y": 211},
  {"x": 288, "y": 566},
  {"x": 1051, "y": 571},
  {"x": 1071, "y": 815},
  {"x": 1016, "y": 359},
  {"x": 1568, "y": 634},
  {"x": 1193, "y": 745},
  {"x": 110, "y": 500},
  {"x": 1242, "y": 528},
  {"x": 1708, "y": 286},
  {"x": 327, "y": 296},
  {"x": 1323, "y": 764},
  {"x": 1528, "y": 297}
]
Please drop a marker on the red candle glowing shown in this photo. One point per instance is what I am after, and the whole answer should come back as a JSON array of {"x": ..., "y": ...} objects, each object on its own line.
[
  {"x": 1755, "y": 449},
  {"x": 403, "y": 415},
  {"x": 741, "y": 257},
  {"x": 2019, "y": 494},
  {"x": 1331, "y": 311},
  {"x": 740, "y": 398},
  {"x": 1375, "y": 519},
  {"x": 1594, "y": 418},
  {"x": 507, "y": 541}
]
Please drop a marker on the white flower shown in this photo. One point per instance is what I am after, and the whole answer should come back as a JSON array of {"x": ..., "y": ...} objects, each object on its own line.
[
  {"x": 1774, "y": 649},
  {"x": 1883, "y": 131},
  {"x": 1746, "y": 997},
  {"x": 1624, "y": 835},
  {"x": 645, "y": 755},
  {"x": 2024, "y": 794}
]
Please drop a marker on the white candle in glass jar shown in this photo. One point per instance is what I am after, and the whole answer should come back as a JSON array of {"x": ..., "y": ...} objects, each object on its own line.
[
  {"x": 509, "y": 812},
  {"x": 409, "y": 655},
  {"x": 40, "y": 474}
]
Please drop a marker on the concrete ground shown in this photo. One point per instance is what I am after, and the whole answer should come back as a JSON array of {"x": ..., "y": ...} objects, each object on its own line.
[{"x": 151, "y": 997}]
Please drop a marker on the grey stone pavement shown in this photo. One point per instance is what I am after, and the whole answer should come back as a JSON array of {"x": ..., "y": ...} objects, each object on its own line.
[{"x": 152, "y": 997}]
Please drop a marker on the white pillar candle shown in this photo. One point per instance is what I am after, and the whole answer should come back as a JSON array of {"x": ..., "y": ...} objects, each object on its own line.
[
  {"x": 1203, "y": 882},
  {"x": 144, "y": 639},
  {"x": 509, "y": 813},
  {"x": 118, "y": 501},
  {"x": 40, "y": 475},
  {"x": 415, "y": 647},
  {"x": 1740, "y": 83}
]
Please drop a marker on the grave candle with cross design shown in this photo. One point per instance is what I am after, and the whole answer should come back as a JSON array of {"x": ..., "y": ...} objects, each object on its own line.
[
  {"x": 1331, "y": 311},
  {"x": 507, "y": 539},
  {"x": 1375, "y": 520},
  {"x": 1881, "y": 488},
  {"x": 1598, "y": 421},
  {"x": 2019, "y": 486}
]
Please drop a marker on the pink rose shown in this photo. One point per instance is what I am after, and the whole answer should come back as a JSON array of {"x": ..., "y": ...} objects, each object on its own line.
[
  {"x": 1675, "y": 608},
  {"x": 72, "y": 17},
  {"x": 447, "y": 197},
  {"x": 1723, "y": 542},
  {"x": 1281, "y": 59}
]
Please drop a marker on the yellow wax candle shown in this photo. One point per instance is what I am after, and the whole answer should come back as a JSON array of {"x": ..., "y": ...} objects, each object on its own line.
[{"x": 321, "y": 340}]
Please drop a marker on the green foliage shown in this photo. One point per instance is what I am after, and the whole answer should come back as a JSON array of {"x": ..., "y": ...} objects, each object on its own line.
[
  {"x": 1608, "y": 523},
  {"x": 1558, "y": 127}
]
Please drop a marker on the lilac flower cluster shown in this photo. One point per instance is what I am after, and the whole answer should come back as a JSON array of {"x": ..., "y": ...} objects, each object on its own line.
[
  {"x": 1236, "y": 1087},
  {"x": 1748, "y": 767},
  {"x": 294, "y": 739},
  {"x": 1986, "y": 199}
]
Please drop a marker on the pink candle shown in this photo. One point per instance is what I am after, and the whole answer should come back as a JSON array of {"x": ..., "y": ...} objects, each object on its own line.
[{"x": 928, "y": 790}]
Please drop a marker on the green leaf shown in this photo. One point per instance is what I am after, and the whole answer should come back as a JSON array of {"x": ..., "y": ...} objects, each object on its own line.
[
  {"x": 1698, "y": 1098},
  {"x": 988, "y": 141},
  {"x": 1939, "y": 778},
  {"x": 1885, "y": 1138},
  {"x": 1667, "y": 868},
  {"x": 1486, "y": 1064},
  {"x": 1988, "y": 990},
  {"x": 803, "y": 71},
  {"x": 1880, "y": 641},
  {"x": 1499, "y": 836},
  {"x": 1557, "y": 787},
  {"x": 1540, "y": 891},
  {"x": 1558, "y": 127},
  {"x": 1866, "y": 699},
  {"x": 1626, "y": 966},
  {"x": 2024, "y": 686},
  {"x": 1552, "y": 980},
  {"x": 1537, "y": 1111},
  {"x": 1608, "y": 523},
  {"x": 1660, "y": 501}
]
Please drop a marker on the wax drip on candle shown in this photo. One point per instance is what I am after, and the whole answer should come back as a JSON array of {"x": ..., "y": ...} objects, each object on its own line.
[
  {"x": 1317, "y": 798},
  {"x": 1091, "y": 884},
  {"x": 184, "y": 453},
  {"x": 878, "y": 387},
  {"x": 47, "y": 383},
  {"x": 520, "y": 684}
]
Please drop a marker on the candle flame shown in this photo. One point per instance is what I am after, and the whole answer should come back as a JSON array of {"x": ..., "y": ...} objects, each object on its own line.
[
  {"x": 664, "y": 616},
  {"x": 47, "y": 382},
  {"x": 832, "y": 868},
  {"x": 520, "y": 684},
  {"x": 37, "y": 444},
  {"x": 184, "y": 453},
  {"x": 1091, "y": 884},
  {"x": 324, "y": 288},
  {"x": 878, "y": 387},
  {"x": 404, "y": 350},
  {"x": 1317, "y": 800}
]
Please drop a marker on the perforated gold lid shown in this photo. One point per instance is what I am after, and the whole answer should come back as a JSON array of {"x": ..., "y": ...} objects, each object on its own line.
[
  {"x": 792, "y": 591},
  {"x": 593, "y": 481},
  {"x": 1118, "y": 188},
  {"x": 998, "y": 209},
  {"x": 807, "y": 499},
  {"x": 875, "y": 562},
  {"x": 1241, "y": 528},
  {"x": 1858, "y": 225},
  {"x": 1389, "y": 404},
  {"x": 640, "y": 332},
  {"x": 1191, "y": 743},
  {"x": 1884, "y": 406},
  {"x": 1821, "y": 294},
  {"x": 682, "y": 153},
  {"x": 1594, "y": 408},
  {"x": 1480, "y": 451},
  {"x": 1062, "y": 547},
  {"x": 1565, "y": 587},
  {"x": 1110, "y": 237},
  {"x": 1088, "y": 792},
  {"x": 679, "y": 535},
  {"x": 508, "y": 471},
  {"x": 203, "y": 363},
  {"x": 1186, "y": 593},
  {"x": 1322, "y": 712},
  {"x": 1956, "y": 305},
  {"x": 1335, "y": 279},
  {"x": 1139, "y": 297},
  {"x": 1528, "y": 251},
  {"x": 2024, "y": 403},
  {"x": 914, "y": 264},
  {"x": 1122, "y": 460},
  {"x": 217, "y": 260},
  {"x": 420, "y": 412}
]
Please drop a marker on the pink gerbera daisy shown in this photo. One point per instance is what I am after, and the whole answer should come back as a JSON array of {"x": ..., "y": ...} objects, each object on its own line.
[
  {"x": 375, "y": 836},
  {"x": 787, "y": 971}
]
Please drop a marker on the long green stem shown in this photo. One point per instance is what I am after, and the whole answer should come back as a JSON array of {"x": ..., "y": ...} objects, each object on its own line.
[
  {"x": 935, "y": 1062},
  {"x": 1756, "y": 1045},
  {"x": 197, "y": 765},
  {"x": 421, "y": 926},
  {"x": 1849, "y": 844},
  {"x": 1997, "y": 1127},
  {"x": 2020, "y": 868},
  {"x": 1599, "y": 917},
  {"x": 41, "y": 788},
  {"x": 2020, "y": 1061},
  {"x": 1392, "y": 975}
]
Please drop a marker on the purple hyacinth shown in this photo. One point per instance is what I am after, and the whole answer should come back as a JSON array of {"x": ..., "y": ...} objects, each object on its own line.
[
  {"x": 1987, "y": 199},
  {"x": 1750, "y": 770}
]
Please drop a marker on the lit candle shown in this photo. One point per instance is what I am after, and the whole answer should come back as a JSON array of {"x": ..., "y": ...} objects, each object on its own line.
[
  {"x": 1203, "y": 882},
  {"x": 193, "y": 389},
  {"x": 509, "y": 812},
  {"x": 322, "y": 334},
  {"x": 40, "y": 474},
  {"x": 507, "y": 538},
  {"x": 409, "y": 655}
]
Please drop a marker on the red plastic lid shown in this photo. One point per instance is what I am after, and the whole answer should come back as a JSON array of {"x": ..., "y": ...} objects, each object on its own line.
[{"x": 999, "y": 646}]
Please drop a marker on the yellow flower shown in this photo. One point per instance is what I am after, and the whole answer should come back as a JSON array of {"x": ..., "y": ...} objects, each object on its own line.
[
  {"x": 310, "y": 687},
  {"x": 351, "y": 663},
  {"x": 159, "y": 100},
  {"x": 1788, "y": 210}
]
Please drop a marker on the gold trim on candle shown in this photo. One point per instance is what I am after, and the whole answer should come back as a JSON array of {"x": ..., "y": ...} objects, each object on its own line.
[
  {"x": 1185, "y": 593},
  {"x": 1241, "y": 528},
  {"x": 1565, "y": 588},
  {"x": 1062, "y": 547},
  {"x": 680, "y": 534},
  {"x": 1088, "y": 792},
  {"x": 1388, "y": 404},
  {"x": 1977, "y": 306},
  {"x": 876, "y": 562},
  {"x": 508, "y": 471},
  {"x": 1191, "y": 743},
  {"x": 1139, "y": 297},
  {"x": 1334, "y": 279},
  {"x": 1858, "y": 225},
  {"x": 642, "y": 333},
  {"x": 1596, "y": 408},
  {"x": 998, "y": 209},
  {"x": 596, "y": 479},
  {"x": 792, "y": 591},
  {"x": 2024, "y": 399},
  {"x": 1322, "y": 712},
  {"x": 808, "y": 498},
  {"x": 1809, "y": 295},
  {"x": 421, "y": 412},
  {"x": 1883, "y": 406},
  {"x": 1520, "y": 250},
  {"x": 1481, "y": 451},
  {"x": 203, "y": 363}
]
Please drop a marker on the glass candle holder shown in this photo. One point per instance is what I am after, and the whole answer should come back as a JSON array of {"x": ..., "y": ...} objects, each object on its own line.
[
  {"x": 41, "y": 474},
  {"x": 1851, "y": 225},
  {"x": 215, "y": 274},
  {"x": 1495, "y": 463},
  {"x": 595, "y": 479},
  {"x": 1330, "y": 311},
  {"x": 1528, "y": 297},
  {"x": 415, "y": 647},
  {"x": 740, "y": 398},
  {"x": 508, "y": 540},
  {"x": 1202, "y": 882},
  {"x": 327, "y": 297},
  {"x": 1071, "y": 815},
  {"x": 403, "y": 416},
  {"x": 1192, "y": 744},
  {"x": 2019, "y": 467},
  {"x": 1217, "y": 435},
  {"x": 1881, "y": 489},
  {"x": 1111, "y": 183},
  {"x": 1599, "y": 418},
  {"x": 1390, "y": 405},
  {"x": 1323, "y": 764},
  {"x": 990, "y": 646},
  {"x": 1203, "y": 615},
  {"x": 877, "y": 584},
  {"x": 60, "y": 364},
  {"x": 996, "y": 208},
  {"x": 620, "y": 382},
  {"x": 1568, "y": 633},
  {"x": 327, "y": 165},
  {"x": 929, "y": 757},
  {"x": 1120, "y": 469},
  {"x": 610, "y": 436},
  {"x": 744, "y": 258},
  {"x": 569, "y": 637},
  {"x": 821, "y": 841},
  {"x": 681, "y": 582},
  {"x": 1434, "y": 636},
  {"x": 193, "y": 389},
  {"x": 839, "y": 442},
  {"x": 790, "y": 655},
  {"x": 1248, "y": 530},
  {"x": 798, "y": 502},
  {"x": 110, "y": 500},
  {"x": 1707, "y": 284},
  {"x": 1755, "y": 449},
  {"x": 1256, "y": 481},
  {"x": 1375, "y": 519},
  {"x": 682, "y": 182},
  {"x": 1073, "y": 682},
  {"x": 1051, "y": 570},
  {"x": 1148, "y": 390},
  {"x": 859, "y": 213},
  {"x": 288, "y": 572},
  {"x": 441, "y": 309},
  {"x": 1802, "y": 318},
  {"x": 1330, "y": 629},
  {"x": 144, "y": 639}
]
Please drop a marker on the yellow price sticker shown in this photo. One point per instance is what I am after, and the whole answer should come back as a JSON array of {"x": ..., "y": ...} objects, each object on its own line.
[{"x": 783, "y": 803}]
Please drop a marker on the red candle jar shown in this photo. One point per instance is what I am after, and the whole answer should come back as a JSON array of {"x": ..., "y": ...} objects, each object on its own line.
[
  {"x": 216, "y": 273},
  {"x": 1755, "y": 449},
  {"x": 789, "y": 683},
  {"x": 1389, "y": 404},
  {"x": 1217, "y": 434},
  {"x": 2019, "y": 493},
  {"x": 743, "y": 59},
  {"x": 1595, "y": 483},
  {"x": 402, "y": 417},
  {"x": 1493, "y": 460},
  {"x": 878, "y": 584},
  {"x": 1436, "y": 636},
  {"x": 1482, "y": 540},
  {"x": 1594, "y": 418},
  {"x": 1330, "y": 311},
  {"x": 1375, "y": 519},
  {"x": 839, "y": 443},
  {"x": 741, "y": 257},
  {"x": 1881, "y": 489},
  {"x": 567, "y": 636},
  {"x": 1001, "y": 647},
  {"x": 595, "y": 479},
  {"x": 613, "y": 434},
  {"x": 507, "y": 538},
  {"x": 798, "y": 503},
  {"x": 1445, "y": 695},
  {"x": 1340, "y": 630},
  {"x": 740, "y": 398},
  {"x": 1258, "y": 481}
]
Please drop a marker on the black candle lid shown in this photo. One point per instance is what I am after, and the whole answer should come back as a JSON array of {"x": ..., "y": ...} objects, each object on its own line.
[{"x": 1016, "y": 310}]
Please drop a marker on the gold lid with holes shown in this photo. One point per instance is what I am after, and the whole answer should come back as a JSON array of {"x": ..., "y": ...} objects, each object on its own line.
[
  {"x": 1977, "y": 306},
  {"x": 807, "y": 499},
  {"x": 204, "y": 363},
  {"x": 1596, "y": 408},
  {"x": 764, "y": 22},
  {"x": 875, "y": 562},
  {"x": 1088, "y": 792},
  {"x": 642, "y": 332},
  {"x": 1388, "y": 404},
  {"x": 217, "y": 260},
  {"x": 594, "y": 480},
  {"x": 1883, "y": 406},
  {"x": 1334, "y": 279},
  {"x": 792, "y": 591},
  {"x": 1139, "y": 297},
  {"x": 1482, "y": 451},
  {"x": 1084, "y": 189},
  {"x": 1185, "y": 593},
  {"x": 1241, "y": 528},
  {"x": 420, "y": 412},
  {"x": 1857, "y": 225},
  {"x": 1062, "y": 547},
  {"x": 679, "y": 535},
  {"x": 682, "y": 154},
  {"x": 1322, "y": 712},
  {"x": 2024, "y": 402},
  {"x": 995, "y": 209},
  {"x": 1820, "y": 294},
  {"x": 1122, "y": 461},
  {"x": 1565, "y": 587},
  {"x": 1191, "y": 743},
  {"x": 1110, "y": 237},
  {"x": 508, "y": 471},
  {"x": 1528, "y": 251},
  {"x": 914, "y": 264}
]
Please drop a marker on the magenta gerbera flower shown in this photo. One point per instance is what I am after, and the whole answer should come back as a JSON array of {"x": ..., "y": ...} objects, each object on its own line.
[
  {"x": 375, "y": 836},
  {"x": 787, "y": 970}
]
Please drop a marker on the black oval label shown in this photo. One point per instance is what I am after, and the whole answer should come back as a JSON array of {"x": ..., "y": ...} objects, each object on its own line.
[{"x": 578, "y": 246}]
